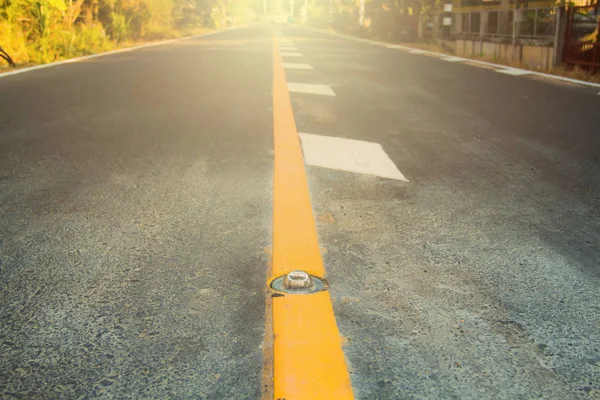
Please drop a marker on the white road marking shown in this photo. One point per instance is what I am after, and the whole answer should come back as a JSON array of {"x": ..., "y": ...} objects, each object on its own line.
[
  {"x": 286, "y": 54},
  {"x": 310, "y": 88},
  {"x": 396, "y": 46},
  {"x": 513, "y": 71},
  {"x": 288, "y": 48},
  {"x": 453, "y": 59},
  {"x": 297, "y": 66},
  {"x": 416, "y": 51},
  {"x": 348, "y": 155}
]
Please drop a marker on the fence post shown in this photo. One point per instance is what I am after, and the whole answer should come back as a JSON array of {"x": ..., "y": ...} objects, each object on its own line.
[
  {"x": 515, "y": 32},
  {"x": 446, "y": 22},
  {"x": 559, "y": 36},
  {"x": 483, "y": 23}
]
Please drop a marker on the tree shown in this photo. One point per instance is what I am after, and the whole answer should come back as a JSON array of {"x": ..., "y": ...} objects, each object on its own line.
[{"x": 6, "y": 57}]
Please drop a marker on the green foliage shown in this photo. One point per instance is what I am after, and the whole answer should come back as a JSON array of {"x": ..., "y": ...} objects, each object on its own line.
[
  {"x": 40, "y": 31},
  {"x": 119, "y": 26},
  {"x": 89, "y": 40}
]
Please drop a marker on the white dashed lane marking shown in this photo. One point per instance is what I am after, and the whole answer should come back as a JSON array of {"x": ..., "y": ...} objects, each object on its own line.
[
  {"x": 310, "y": 88},
  {"x": 288, "y": 54},
  {"x": 416, "y": 51},
  {"x": 348, "y": 155},
  {"x": 514, "y": 72},
  {"x": 453, "y": 59},
  {"x": 396, "y": 47},
  {"x": 297, "y": 66}
]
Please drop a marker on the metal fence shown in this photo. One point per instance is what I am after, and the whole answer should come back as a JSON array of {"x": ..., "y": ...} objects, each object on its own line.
[
  {"x": 582, "y": 39},
  {"x": 534, "y": 24}
]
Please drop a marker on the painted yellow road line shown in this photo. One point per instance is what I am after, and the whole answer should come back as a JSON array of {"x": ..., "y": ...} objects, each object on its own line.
[{"x": 308, "y": 362}]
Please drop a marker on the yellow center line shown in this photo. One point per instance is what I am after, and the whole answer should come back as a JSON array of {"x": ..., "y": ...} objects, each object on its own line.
[{"x": 308, "y": 362}]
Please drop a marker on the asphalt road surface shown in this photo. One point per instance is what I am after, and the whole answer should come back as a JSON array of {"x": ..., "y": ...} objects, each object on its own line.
[{"x": 136, "y": 212}]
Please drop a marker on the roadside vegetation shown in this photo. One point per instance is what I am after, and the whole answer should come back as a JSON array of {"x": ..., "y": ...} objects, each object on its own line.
[{"x": 42, "y": 31}]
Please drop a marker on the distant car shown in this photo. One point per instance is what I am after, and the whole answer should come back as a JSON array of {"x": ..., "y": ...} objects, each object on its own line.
[{"x": 279, "y": 18}]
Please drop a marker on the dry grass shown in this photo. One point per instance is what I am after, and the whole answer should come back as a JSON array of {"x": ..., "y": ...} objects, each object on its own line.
[{"x": 575, "y": 73}]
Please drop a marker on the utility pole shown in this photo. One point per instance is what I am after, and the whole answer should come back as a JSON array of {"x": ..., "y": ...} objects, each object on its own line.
[
  {"x": 361, "y": 13},
  {"x": 305, "y": 13},
  {"x": 559, "y": 35},
  {"x": 446, "y": 28},
  {"x": 515, "y": 32}
]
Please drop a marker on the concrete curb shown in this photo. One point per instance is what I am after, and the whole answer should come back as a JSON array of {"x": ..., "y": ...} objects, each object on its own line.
[{"x": 499, "y": 66}]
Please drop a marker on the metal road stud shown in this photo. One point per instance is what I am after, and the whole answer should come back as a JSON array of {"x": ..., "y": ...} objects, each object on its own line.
[{"x": 297, "y": 280}]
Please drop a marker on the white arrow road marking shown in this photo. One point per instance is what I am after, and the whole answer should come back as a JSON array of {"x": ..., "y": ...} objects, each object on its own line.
[{"x": 348, "y": 155}]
